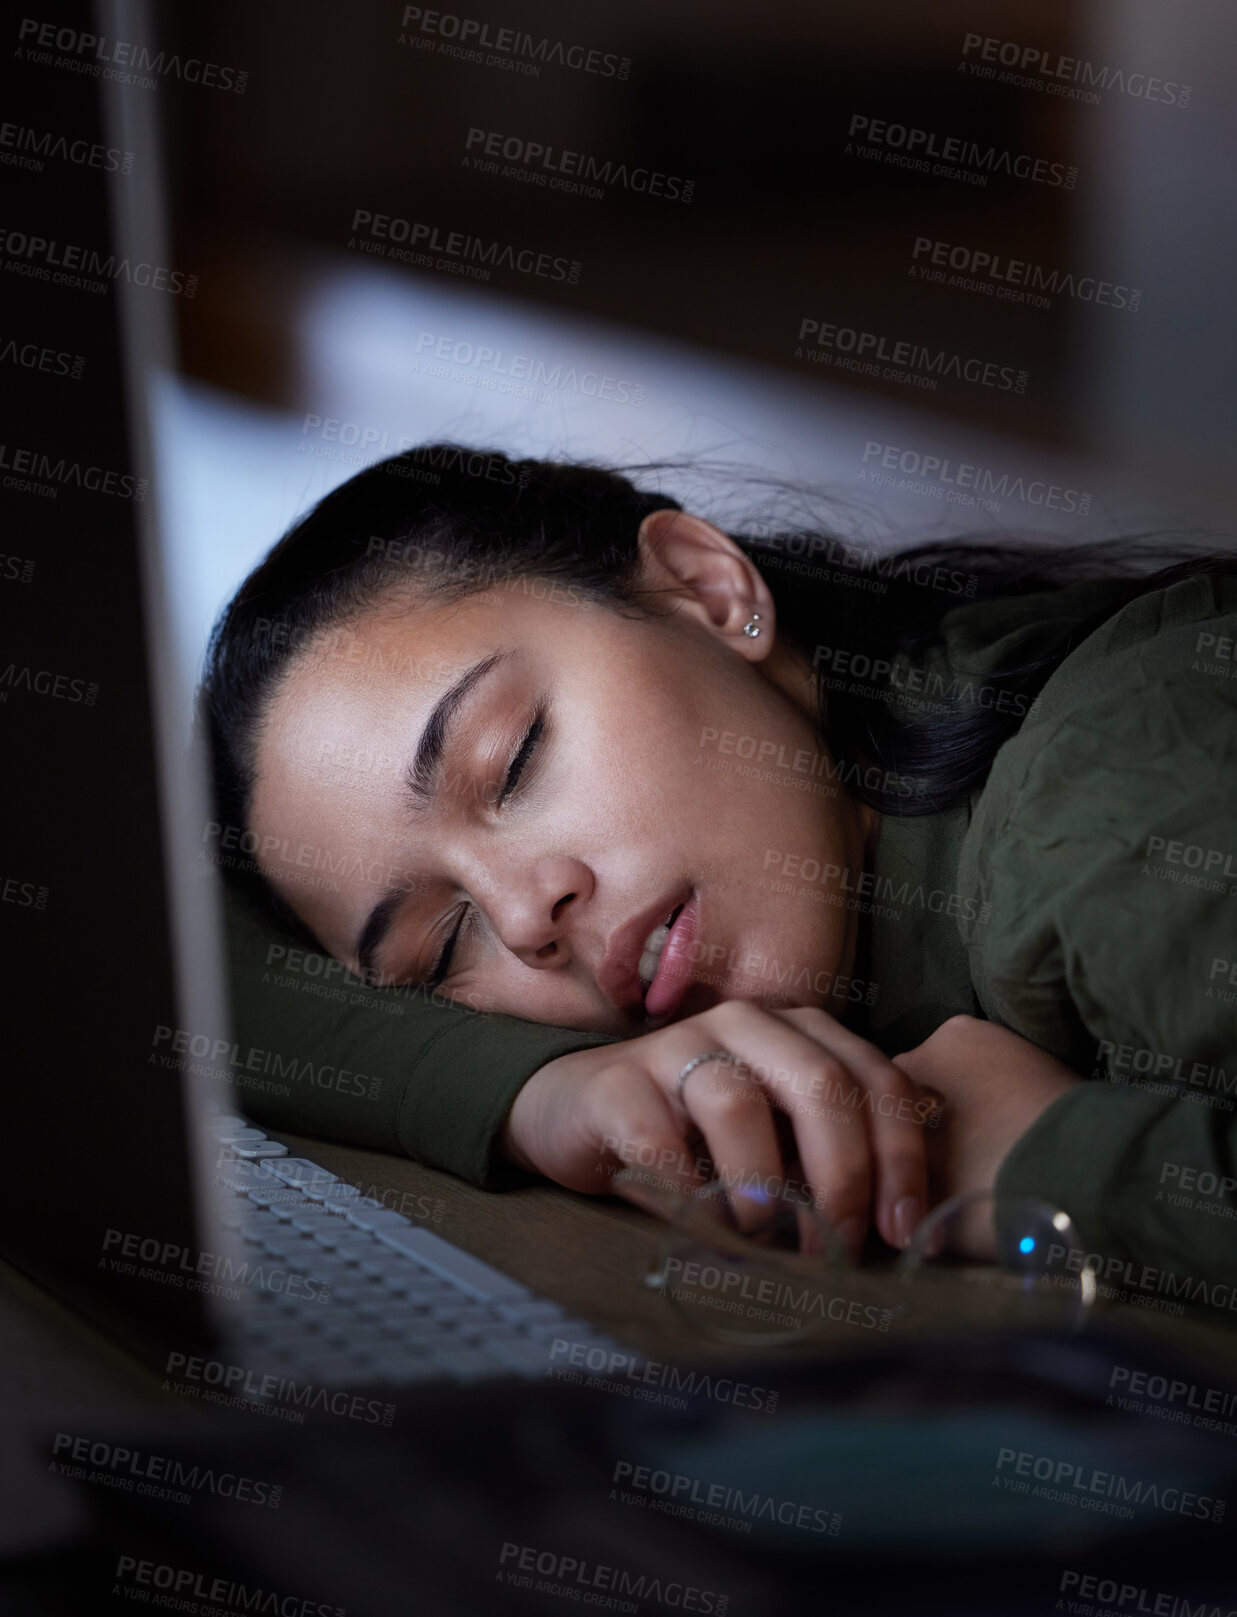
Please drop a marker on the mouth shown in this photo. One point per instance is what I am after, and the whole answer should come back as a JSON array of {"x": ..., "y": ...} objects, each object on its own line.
[
  {"x": 650, "y": 958},
  {"x": 666, "y": 963},
  {"x": 637, "y": 957}
]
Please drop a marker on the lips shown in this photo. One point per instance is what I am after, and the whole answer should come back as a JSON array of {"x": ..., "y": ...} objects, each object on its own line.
[
  {"x": 674, "y": 971},
  {"x": 654, "y": 944},
  {"x": 618, "y": 976}
]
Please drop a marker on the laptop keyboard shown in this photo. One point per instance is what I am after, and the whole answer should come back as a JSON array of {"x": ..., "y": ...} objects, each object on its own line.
[{"x": 378, "y": 1298}]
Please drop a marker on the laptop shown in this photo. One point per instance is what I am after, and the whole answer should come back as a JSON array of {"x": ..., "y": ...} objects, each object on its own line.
[{"x": 136, "y": 1191}]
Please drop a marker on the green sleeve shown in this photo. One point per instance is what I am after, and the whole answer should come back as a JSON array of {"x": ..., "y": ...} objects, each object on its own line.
[
  {"x": 1106, "y": 845},
  {"x": 317, "y": 1052},
  {"x": 1116, "y": 1160}
]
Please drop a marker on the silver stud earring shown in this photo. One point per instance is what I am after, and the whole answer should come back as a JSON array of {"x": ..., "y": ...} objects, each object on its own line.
[{"x": 749, "y": 628}]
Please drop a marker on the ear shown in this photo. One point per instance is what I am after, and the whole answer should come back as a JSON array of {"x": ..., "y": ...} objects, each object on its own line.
[{"x": 715, "y": 581}]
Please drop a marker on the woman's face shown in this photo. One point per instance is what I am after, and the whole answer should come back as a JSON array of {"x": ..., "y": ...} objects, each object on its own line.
[{"x": 506, "y": 797}]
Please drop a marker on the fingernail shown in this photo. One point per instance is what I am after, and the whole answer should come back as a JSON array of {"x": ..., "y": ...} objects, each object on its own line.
[
  {"x": 852, "y": 1233},
  {"x": 907, "y": 1216}
]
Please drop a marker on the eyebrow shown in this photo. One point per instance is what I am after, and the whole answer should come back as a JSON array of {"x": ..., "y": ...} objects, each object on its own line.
[
  {"x": 421, "y": 776},
  {"x": 421, "y": 780}
]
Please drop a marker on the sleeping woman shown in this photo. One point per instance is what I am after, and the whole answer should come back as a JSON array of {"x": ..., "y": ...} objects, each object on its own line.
[{"x": 564, "y": 788}]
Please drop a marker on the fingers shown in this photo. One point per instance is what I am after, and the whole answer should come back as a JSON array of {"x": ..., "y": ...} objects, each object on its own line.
[
  {"x": 857, "y": 1119},
  {"x": 643, "y": 1150},
  {"x": 732, "y": 1112},
  {"x": 891, "y": 1111},
  {"x": 809, "y": 1083},
  {"x": 833, "y": 1144}
]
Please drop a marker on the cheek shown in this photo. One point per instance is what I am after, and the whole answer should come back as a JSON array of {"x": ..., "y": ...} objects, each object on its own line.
[
  {"x": 505, "y": 987},
  {"x": 642, "y": 726}
]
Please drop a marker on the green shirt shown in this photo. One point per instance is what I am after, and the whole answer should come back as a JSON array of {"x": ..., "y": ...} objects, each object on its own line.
[{"x": 1086, "y": 897}]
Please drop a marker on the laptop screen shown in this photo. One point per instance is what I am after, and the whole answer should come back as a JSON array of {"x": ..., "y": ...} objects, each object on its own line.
[{"x": 101, "y": 898}]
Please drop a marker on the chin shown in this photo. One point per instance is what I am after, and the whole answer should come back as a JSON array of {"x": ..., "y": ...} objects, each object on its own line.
[{"x": 699, "y": 997}]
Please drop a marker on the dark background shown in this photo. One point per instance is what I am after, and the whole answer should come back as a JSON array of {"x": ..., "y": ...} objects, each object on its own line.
[{"x": 753, "y": 103}]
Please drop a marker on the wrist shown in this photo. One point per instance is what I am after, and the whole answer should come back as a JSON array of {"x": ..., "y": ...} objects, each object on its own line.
[
  {"x": 524, "y": 1125},
  {"x": 510, "y": 1144}
]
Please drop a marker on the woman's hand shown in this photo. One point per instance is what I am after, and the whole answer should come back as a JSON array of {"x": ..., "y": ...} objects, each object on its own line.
[
  {"x": 857, "y": 1120},
  {"x": 995, "y": 1084}
]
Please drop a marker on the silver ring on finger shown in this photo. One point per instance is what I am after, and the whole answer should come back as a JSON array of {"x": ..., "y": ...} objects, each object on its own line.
[{"x": 699, "y": 1061}]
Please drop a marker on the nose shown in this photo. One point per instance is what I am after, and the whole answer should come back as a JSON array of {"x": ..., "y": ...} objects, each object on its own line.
[{"x": 536, "y": 906}]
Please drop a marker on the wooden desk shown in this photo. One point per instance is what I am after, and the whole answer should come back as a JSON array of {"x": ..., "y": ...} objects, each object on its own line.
[
  {"x": 588, "y": 1253},
  {"x": 591, "y": 1254}
]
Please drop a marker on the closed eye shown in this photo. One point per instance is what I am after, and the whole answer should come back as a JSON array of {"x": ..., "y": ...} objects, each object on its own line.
[
  {"x": 443, "y": 964},
  {"x": 514, "y": 770},
  {"x": 520, "y": 762}
]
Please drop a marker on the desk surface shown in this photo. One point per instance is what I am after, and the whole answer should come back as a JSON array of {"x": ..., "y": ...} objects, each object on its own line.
[{"x": 588, "y": 1253}]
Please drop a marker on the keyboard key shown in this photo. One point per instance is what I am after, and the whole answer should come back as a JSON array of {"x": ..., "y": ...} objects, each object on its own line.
[
  {"x": 370, "y": 1312},
  {"x": 450, "y": 1263},
  {"x": 398, "y": 1284},
  {"x": 287, "y": 1246},
  {"x": 327, "y": 1193},
  {"x": 298, "y": 1170},
  {"x": 225, "y": 1127},
  {"x": 345, "y": 1297},
  {"x": 518, "y": 1354},
  {"x": 238, "y": 1175},
  {"x": 253, "y": 1150},
  {"x": 255, "y": 1174},
  {"x": 411, "y": 1290},
  {"x": 375, "y": 1218},
  {"x": 275, "y": 1195},
  {"x": 403, "y": 1308},
  {"x": 336, "y": 1239},
  {"x": 421, "y": 1335}
]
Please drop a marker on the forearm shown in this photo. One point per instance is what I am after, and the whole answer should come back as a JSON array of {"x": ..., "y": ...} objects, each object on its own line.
[{"x": 383, "y": 1068}]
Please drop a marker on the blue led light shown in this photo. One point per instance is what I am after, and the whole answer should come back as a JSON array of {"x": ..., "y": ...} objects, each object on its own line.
[{"x": 1027, "y": 1244}]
